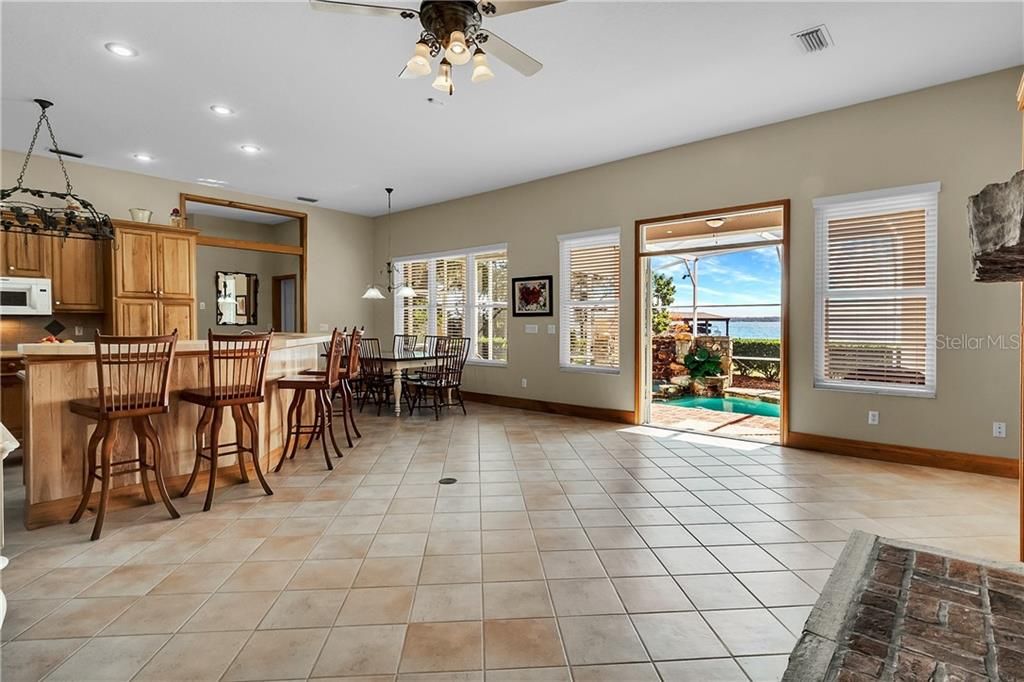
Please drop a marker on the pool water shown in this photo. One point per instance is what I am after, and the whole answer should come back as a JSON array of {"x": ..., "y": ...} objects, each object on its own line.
[{"x": 737, "y": 405}]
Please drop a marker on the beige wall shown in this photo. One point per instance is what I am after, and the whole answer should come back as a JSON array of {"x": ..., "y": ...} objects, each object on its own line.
[
  {"x": 338, "y": 268},
  {"x": 965, "y": 134}
]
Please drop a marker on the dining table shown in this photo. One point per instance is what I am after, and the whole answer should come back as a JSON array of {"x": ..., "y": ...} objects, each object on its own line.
[{"x": 397, "y": 361}]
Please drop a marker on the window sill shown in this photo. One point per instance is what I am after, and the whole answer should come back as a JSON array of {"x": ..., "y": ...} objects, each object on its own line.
[
  {"x": 877, "y": 390},
  {"x": 487, "y": 363},
  {"x": 589, "y": 370}
]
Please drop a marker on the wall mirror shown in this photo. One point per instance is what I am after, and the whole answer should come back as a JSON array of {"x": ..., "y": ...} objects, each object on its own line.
[{"x": 237, "y": 296}]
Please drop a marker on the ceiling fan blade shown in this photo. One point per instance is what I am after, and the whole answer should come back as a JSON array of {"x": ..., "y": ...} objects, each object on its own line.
[
  {"x": 497, "y": 47},
  {"x": 363, "y": 10},
  {"x": 496, "y": 8}
]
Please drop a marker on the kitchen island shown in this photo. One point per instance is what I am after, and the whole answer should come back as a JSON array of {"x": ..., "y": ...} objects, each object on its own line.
[{"x": 55, "y": 440}]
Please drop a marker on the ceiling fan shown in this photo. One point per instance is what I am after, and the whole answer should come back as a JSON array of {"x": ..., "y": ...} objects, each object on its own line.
[{"x": 452, "y": 27}]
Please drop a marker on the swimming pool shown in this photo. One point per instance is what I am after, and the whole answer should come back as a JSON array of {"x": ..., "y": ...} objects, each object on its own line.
[{"x": 737, "y": 405}]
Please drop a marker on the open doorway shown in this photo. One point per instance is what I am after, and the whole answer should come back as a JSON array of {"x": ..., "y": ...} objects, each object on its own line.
[
  {"x": 711, "y": 321},
  {"x": 283, "y": 306}
]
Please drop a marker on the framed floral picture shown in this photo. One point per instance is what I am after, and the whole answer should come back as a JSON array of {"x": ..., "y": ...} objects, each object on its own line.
[{"x": 532, "y": 296}]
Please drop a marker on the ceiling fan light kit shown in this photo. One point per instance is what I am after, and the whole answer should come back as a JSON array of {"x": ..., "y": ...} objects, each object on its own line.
[{"x": 452, "y": 30}]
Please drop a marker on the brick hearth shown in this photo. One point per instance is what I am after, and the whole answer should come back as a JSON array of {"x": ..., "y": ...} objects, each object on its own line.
[{"x": 895, "y": 612}]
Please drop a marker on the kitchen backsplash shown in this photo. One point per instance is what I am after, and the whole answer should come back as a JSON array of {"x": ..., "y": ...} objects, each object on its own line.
[{"x": 32, "y": 328}]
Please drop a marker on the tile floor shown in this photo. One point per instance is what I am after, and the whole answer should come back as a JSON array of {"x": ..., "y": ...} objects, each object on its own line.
[{"x": 568, "y": 549}]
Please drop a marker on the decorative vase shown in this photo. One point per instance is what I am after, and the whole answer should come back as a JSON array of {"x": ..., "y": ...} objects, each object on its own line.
[{"x": 140, "y": 215}]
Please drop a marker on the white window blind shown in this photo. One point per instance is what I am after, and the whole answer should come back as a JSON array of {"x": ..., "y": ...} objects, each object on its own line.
[
  {"x": 875, "y": 291},
  {"x": 590, "y": 285},
  {"x": 461, "y": 293}
]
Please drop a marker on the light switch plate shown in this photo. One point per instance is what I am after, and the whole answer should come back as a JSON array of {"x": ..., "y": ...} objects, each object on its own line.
[
  {"x": 551, "y": 329},
  {"x": 202, "y": 305},
  {"x": 531, "y": 329}
]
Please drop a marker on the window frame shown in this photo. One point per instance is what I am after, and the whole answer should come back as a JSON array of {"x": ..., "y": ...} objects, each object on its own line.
[
  {"x": 907, "y": 198},
  {"x": 470, "y": 308},
  {"x": 602, "y": 237}
]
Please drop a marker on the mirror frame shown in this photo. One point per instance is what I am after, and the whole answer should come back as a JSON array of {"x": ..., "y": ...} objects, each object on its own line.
[
  {"x": 252, "y": 311},
  {"x": 302, "y": 250}
]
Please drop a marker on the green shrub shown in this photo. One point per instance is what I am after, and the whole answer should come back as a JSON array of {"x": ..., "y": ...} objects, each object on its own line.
[
  {"x": 703, "y": 363},
  {"x": 661, "y": 320},
  {"x": 757, "y": 348}
]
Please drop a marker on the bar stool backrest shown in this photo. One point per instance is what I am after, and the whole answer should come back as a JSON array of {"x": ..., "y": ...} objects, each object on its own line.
[
  {"x": 133, "y": 373},
  {"x": 238, "y": 366},
  {"x": 354, "y": 346},
  {"x": 335, "y": 351}
]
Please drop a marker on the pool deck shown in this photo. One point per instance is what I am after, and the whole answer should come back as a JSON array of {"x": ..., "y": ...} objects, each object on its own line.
[{"x": 730, "y": 424}]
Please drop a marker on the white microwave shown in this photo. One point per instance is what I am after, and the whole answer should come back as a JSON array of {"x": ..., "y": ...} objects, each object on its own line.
[{"x": 25, "y": 296}]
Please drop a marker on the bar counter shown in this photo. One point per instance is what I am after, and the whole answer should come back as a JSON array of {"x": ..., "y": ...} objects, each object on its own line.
[{"x": 55, "y": 439}]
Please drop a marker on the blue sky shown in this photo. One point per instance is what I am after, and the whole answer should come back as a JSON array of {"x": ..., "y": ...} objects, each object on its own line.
[{"x": 745, "y": 277}]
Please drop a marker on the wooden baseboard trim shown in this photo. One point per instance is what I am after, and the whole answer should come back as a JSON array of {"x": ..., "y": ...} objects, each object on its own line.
[
  {"x": 582, "y": 411},
  {"x": 59, "y": 511},
  {"x": 902, "y": 454}
]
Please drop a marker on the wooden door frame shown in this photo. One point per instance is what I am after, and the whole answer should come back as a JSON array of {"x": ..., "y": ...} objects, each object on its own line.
[
  {"x": 301, "y": 250},
  {"x": 783, "y": 307},
  {"x": 275, "y": 293}
]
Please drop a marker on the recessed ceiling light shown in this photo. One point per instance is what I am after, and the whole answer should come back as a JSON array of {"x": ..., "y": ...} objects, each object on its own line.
[
  {"x": 714, "y": 223},
  {"x": 251, "y": 148},
  {"x": 210, "y": 181},
  {"x": 146, "y": 158},
  {"x": 668, "y": 231},
  {"x": 121, "y": 50},
  {"x": 222, "y": 110}
]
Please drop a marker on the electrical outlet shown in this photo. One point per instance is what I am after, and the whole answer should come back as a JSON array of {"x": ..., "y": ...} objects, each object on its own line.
[
  {"x": 551, "y": 329},
  {"x": 873, "y": 417},
  {"x": 79, "y": 331},
  {"x": 202, "y": 305},
  {"x": 323, "y": 328},
  {"x": 999, "y": 429},
  {"x": 524, "y": 382}
]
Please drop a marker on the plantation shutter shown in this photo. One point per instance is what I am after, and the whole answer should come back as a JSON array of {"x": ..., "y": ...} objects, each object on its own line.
[
  {"x": 590, "y": 286},
  {"x": 491, "y": 270},
  {"x": 875, "y": 291},
  {"x": 450, "y": 296},
  {"x": 414, "y": 311}
]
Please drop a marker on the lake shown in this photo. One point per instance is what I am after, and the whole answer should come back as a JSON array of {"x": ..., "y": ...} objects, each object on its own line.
[{"x": 767, "y": 328}]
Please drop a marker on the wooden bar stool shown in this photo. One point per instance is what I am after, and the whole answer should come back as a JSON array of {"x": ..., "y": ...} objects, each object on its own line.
[
  {"x": 322, "y": 385},
  {"x": 348, "y": 372},
  {"x": 132, "y": 373},
  {"x": 238, "y": 367}
]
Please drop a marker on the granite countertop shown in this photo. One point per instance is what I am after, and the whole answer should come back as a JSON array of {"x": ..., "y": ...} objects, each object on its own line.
[{"x": 86, "y": 348}]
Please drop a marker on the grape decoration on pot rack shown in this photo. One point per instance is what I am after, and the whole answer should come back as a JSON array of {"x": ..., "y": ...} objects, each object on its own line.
[{"x": 25, "y": 209}]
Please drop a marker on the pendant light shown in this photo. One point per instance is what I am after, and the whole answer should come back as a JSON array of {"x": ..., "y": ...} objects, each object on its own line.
[{"x": 402, "y": 290}]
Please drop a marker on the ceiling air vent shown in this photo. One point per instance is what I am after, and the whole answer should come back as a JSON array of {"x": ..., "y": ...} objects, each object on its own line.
[
  {"x": 814, "y": 39},
  {"x": 308, "y": 200}
]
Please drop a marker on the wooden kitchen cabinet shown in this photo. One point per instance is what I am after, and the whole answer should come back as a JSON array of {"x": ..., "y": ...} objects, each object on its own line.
[
  {"x": 78, "y": 274},
  {"x": 154, "y": 274},
  {"x": 24, "y": 255},
  {"x": 12, "y": 396},
  {"x": 135, "y": 263},
  {"x": 136, "y": 317},
  {"x": 176, "y": 270},
  {"x": 177, "y": 315}
]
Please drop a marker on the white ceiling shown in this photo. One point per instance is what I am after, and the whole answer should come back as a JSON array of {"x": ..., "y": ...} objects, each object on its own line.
[{"x": 318, "y": 91}]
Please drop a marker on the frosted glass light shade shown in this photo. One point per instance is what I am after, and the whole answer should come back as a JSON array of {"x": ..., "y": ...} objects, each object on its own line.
[
  {"x": 419, "y": 63},
  {"x": 457, "y": 51},
  {"x": 373, "y": 293}
]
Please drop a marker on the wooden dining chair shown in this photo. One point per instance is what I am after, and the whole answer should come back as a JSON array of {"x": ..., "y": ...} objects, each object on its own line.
[
  {"x": 237, "y": 380},
  {"x": 378, "y": 383},
  {"x": 443, "y": 381},
  {"x": 133, "y": 375},
  {"x": 405, "y": 343}
]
